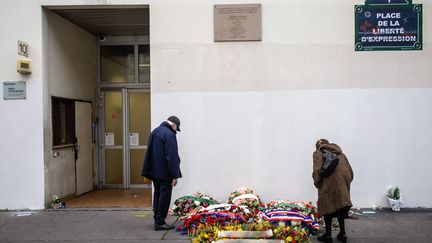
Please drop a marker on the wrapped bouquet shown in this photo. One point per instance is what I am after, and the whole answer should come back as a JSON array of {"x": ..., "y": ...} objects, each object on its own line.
[
  {"x": 219, "y": 215},
  {"x": 246, "y": 197},
  {"x": 291, "y": 213},
  {"x": 185, "y": 205}
]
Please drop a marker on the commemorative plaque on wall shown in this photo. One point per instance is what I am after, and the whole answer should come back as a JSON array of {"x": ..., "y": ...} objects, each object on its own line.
[
  {"x": 237, "y": 22},
  {"x": 14, "y": 90},
  {"x": 388, "y": 25}
]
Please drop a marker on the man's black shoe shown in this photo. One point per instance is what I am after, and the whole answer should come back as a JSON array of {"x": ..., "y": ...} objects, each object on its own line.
[
  {"x": 163, "y": 227},
  {"x": 342, "y": 237},
  {"x": 325, "y": 238}
]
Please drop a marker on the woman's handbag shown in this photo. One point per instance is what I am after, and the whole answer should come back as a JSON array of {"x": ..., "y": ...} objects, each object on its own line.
[{"x": 329, "y": 164}]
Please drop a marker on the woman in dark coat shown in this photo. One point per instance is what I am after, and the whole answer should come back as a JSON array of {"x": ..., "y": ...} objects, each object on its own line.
[{"x": 333, "y": 191}]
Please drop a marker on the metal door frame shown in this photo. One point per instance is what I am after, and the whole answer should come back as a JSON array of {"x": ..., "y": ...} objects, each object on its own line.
[
  {"x": 126, "y": 136},
  {"x": 125, "y": 139},
  {"x": 124, "y": 88}
]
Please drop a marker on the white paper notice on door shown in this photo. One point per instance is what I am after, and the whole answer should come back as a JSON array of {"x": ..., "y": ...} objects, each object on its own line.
[
  {"x": 109, "y": 139},
  {"x": 133, "y": 139}
]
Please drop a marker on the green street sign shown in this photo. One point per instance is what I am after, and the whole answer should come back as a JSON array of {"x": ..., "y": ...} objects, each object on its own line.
[{"x": 388, "y": 25}]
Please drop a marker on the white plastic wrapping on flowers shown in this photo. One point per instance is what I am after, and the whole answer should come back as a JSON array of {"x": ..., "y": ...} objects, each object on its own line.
[{"x": 395, "y": 202}]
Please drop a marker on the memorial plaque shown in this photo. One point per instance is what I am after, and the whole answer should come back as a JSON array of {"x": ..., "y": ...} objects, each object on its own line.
[
  {"x": 14, "y": 90},
  {"x": 237, "y": 22}
]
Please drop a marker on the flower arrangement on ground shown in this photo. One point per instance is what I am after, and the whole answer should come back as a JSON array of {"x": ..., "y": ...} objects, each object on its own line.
[
  {"x": 246, "y": 217},
  {"x": 292, "y": 234},
  {"x": 185, "y": 205},
  {"x": 206, "y": 233},
  {"x": 393, "y": 193},
  {"x": 246, "y": 197},
  {"x": 291, "y": 212},
  {"x": 56, "y": 203},
  {"x": 394, "y": 197},
  {"x": 296, "y": 205},
  {"x": 219, "y": 215},
  {"x": 55, "y": 199}
]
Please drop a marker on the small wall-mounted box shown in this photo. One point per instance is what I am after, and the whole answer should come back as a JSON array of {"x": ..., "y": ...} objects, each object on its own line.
[{"x": 24, "y": 66}]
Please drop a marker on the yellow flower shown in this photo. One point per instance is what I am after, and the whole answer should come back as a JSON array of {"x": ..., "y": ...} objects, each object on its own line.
[
  {"x": 275, "y": 231},
  {"x": 289, "y": 239},
  {"x": 287, "y": 228},
  {"x": 206, "y": 236}
]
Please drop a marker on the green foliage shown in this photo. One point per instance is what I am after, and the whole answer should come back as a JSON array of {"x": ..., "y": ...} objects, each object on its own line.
[
  {"x": 394, "y": 193},
  {"x": 55, "y": 199}
]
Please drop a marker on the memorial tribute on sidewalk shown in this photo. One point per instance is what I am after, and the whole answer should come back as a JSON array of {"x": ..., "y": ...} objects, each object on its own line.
[{"x": 245, "y": 217}]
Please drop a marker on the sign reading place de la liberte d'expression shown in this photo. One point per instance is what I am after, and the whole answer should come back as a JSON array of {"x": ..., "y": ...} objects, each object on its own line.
[{"x": 388, "y": 25}]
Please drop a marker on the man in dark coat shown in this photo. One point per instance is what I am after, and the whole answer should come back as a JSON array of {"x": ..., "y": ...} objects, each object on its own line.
[{"x": 162, "y": 166}]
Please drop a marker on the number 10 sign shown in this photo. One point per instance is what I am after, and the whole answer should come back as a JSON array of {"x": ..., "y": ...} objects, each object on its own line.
[{"x": 23, "y": 48}]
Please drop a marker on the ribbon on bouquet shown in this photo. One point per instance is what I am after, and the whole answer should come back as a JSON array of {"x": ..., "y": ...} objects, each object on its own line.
[
  {"x": 288, "y": 215},
  {"x": 225, "y": 206},
  {"x": 245, "y": 196}
]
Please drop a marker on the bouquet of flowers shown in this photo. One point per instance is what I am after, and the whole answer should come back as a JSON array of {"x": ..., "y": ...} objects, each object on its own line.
[
  {"x": 291, "y": 213},
  {"x": 246, "y": 197},
  {"x": 55, "y": 200},
  {"x": 217, "y": 215},
  {"x": 303, "y": 207},
  {"x": 394, "y": 197},
  {"x": 257, "y": 230},
  {"x": 260, "y": 225},
  {"x": 185, "y": 205},
  {"x": 393, "y": 193},
  {"x": 291, "y": 234},
  {"x": 245, "y": 217},
  {"x": 206, "y": 233},
  {"x": 56, "y": 203}
]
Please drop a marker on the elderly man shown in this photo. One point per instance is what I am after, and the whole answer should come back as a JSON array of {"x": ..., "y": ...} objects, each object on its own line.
[{"x": 162, "y": 166}]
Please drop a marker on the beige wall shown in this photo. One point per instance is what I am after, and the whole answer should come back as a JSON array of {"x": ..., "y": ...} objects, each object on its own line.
[
  {"x": 71, "y": 56},
  {"x": 305, "y": 45},
  {"x": 21, "y": 140},
  {"x": 244, "y": 106},
  {"x": 252, "y": 111}
]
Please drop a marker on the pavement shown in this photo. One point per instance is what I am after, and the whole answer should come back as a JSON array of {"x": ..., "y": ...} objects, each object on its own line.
[{"x": 136, "y": 225}]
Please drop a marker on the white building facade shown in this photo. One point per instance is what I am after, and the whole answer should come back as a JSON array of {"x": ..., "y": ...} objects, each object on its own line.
[{"x": 251, "y": 112}]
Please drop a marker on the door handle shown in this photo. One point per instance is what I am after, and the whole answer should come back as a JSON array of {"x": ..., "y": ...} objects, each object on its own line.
[{"x": 76, "y": 150}]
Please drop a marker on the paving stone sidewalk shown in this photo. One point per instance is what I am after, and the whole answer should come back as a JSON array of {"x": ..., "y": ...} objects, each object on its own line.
[{"x": 136, "y": 225}]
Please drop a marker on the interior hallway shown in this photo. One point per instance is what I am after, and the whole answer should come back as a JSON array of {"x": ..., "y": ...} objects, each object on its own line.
[{"x": 112, "y": 198}]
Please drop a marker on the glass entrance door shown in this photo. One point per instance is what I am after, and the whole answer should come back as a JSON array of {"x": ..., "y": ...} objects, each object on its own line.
[
  {"x": 113, "y": 138},
  {"x": 139, "y": 131},
  {"x": 126, "y": 130},
  {"x": 124, "y": 82}
]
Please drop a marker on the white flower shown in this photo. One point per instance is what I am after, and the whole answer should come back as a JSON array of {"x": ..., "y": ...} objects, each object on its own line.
[
  {"x": 295, "y": 222},
  {"x": 242, "y": 190},
  {"x": 197, "y": 203}
]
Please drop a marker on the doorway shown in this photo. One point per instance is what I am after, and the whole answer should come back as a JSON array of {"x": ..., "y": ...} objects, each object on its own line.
[
  {"x": 124, "y": 81},
  {"x": 126, "y": 127},
  {"x": 116, "y": 79}
]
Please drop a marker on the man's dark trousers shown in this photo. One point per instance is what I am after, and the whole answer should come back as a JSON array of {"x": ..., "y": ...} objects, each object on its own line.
[{"x": 161, "y": 200}]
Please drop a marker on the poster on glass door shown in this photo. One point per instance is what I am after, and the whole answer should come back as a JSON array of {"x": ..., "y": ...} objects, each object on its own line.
[
  {"x": 133, "y": 139},
  {"x": 109, "y": 139}
]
